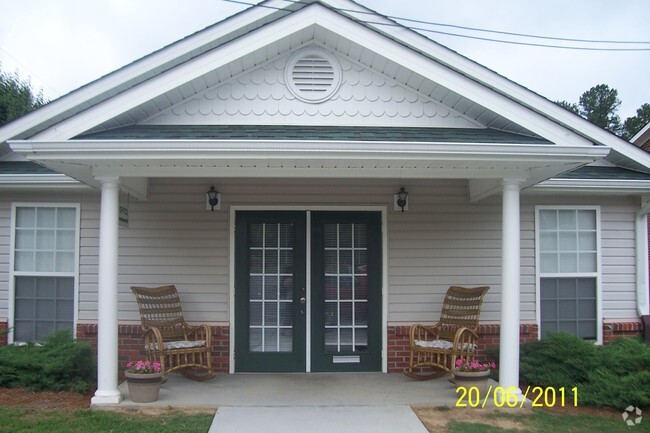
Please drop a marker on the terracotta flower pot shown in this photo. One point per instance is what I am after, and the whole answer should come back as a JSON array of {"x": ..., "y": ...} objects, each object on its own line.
[
  {"x": 468, "y": 379},
  {"x": 143, "y": 388}
]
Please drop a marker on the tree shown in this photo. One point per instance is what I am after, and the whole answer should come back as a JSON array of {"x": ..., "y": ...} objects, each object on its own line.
[
  {"x": 634, "y": 124},
  {"x": 17, "y": 97},
  {"x": 599, "y": 105}
]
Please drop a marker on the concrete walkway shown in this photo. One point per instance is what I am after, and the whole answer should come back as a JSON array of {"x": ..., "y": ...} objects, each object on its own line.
[{"x": 314, "y": 402}]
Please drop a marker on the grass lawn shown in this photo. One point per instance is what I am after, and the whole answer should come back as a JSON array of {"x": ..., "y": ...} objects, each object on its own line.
[
  {"x": 17, "y": 420},
  {"x": 20, "y": 420}
]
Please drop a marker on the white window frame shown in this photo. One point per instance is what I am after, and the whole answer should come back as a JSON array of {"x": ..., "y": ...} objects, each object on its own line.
[
  {"x": 11, "y": 301},
  {"x": 597, "y": 274}
]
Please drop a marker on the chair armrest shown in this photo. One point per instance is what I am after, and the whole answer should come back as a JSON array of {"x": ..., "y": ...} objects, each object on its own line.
[
  {"x": 423, "y": 333},
  {"x": 199, "y": 332},
  {"x": 153, "y": 345},
  {"x": 465, "y": 343}
]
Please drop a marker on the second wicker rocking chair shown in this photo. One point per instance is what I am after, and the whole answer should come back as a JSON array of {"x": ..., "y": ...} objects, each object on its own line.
[{"x": 168, "y": 339}]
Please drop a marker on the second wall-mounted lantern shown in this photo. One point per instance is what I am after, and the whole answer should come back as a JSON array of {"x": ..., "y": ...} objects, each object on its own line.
[
  {"x": 401, "y": 200},
  {"x": 213, "y": 199}
]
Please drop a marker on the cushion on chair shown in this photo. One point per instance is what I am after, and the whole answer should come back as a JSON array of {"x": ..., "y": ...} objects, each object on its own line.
[
  {"x": 441, "y": 344},
  {"x": 183, "y": 344}
]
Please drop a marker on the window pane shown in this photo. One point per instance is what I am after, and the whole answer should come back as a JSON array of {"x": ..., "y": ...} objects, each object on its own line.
[
  {"x": 45, "y": 217},
  {"x": 548, "y": 262},
  {"x": 568, "y": 327},
  {"x": 587, "y": 330},
  {"x": 549, "y": 310},
  {"x": 587, "y": 220},
  {"x": 587, "y": 288},
  {"x": 271, "y": 235},
  {"x": 587, "y": 309},
  {"x": 26, "y": 217},
  {"x": 64, "y": 262},
  {"x": 548, "y": 289},
  {"x": 568, "y": 262},
  {"x": 548, "y": 220},
  {"x": 568, "y": 242},
  {"x": 548, "y": 241},
  {"x": 65, "y": 240},
  {"x": 44, "y": 262},
  {"x": 24, "y": 261},
  {"x": 66, "y": 218},
  {"x": 567, "y": 288},
  {"x": 567, "y": 220},
  {"x": 587, "y": 241},
  {"x": 587, "y": 262},
  {"x": 345, "y": 235},
  {"x": 24, "y": 239}
]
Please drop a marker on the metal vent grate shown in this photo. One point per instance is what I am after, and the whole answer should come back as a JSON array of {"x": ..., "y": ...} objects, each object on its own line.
[{"x": 313, "y": 75}]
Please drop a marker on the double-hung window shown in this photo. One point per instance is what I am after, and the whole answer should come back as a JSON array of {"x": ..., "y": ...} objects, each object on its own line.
[
  {"x": 568, "y": 266},
  {"x": 45, "y": 261}
]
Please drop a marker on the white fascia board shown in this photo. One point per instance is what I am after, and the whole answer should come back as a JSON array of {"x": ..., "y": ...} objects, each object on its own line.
[
  {"x": 595, "y": 186},
  {"x": 136, "y": 69},
  {"x": 297, "y": 149},
  {"x": 642, "y": 136},
  {"x": 317, "y": 15},
  {"x": 38, "y": 180}
]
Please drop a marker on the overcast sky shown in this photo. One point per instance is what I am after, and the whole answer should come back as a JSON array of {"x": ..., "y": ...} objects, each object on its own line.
[{"x": 64, "y": 44}]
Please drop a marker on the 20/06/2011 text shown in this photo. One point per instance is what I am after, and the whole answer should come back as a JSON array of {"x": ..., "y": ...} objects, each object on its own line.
[{"x": 511, "y": 397}]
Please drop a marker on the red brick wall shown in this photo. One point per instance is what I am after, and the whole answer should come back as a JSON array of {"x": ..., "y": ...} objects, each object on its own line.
[
  {"x": 612, "y": 331},
  {"x": 131, "y": 344},
  {"x": 3, "y": 333}
]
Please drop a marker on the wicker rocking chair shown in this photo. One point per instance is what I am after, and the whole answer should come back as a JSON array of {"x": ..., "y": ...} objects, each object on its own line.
[
  {"x": 168, "y": 339},
  {"x": 438, "y": 347}
]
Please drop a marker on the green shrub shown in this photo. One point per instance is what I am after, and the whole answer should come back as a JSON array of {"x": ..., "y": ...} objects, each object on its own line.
[
  {"x": 61, "y": 363},
  {"x": 616, "y": 375},
  {"x": 560, "y": 360}
]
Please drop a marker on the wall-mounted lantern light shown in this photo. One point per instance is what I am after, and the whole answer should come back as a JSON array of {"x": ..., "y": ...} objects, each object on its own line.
[
  {"x": 214, "y": 199},
  {"x": 401, "y": 200}
]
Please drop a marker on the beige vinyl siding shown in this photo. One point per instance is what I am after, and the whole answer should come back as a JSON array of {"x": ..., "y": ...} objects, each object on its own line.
[
  {"x": 442, "y": 240},
  {"x": 5, "y": 240}
]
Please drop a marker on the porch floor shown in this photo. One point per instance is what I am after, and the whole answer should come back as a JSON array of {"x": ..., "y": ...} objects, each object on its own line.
[{"x": 298, "y": 390}]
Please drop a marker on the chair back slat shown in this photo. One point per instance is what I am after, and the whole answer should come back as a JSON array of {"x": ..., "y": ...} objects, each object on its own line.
[
  {"x": 160, "y": 307},
  {"x": 461, "y": 308}
]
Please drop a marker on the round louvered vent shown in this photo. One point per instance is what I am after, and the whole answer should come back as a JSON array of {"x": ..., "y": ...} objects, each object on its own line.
[{"x": 313, "y": 75}]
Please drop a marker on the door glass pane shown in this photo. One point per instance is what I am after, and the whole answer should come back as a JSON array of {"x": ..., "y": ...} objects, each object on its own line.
[
  {"x": 271, "y": 272},
  {"x": 346, "y": 296}
]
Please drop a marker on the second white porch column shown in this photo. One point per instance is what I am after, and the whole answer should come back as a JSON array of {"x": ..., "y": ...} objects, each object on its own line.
[
  {"x": 510, "y": 281},
  {"x": 107, "y": 341}
]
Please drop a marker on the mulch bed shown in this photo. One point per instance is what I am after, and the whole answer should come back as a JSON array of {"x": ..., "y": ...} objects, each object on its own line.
[{"x": 19, "y": 397}]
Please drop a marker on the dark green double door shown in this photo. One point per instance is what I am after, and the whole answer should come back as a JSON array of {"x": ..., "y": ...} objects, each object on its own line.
[{"x": 282, "y": 323}]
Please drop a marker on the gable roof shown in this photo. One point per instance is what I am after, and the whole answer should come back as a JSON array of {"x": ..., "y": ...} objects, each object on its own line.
[{"x": 506, "y": 105}]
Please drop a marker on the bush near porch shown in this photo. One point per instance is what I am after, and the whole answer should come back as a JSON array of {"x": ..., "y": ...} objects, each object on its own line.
[
  {"x": 60, "y": 364},
  {"x": 616, "y": 375}
]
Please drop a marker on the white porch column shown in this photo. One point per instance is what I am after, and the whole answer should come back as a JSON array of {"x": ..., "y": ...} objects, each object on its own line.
[
  {"x": 510, "y": 281},
  {"x": 107, "y": 342}
]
